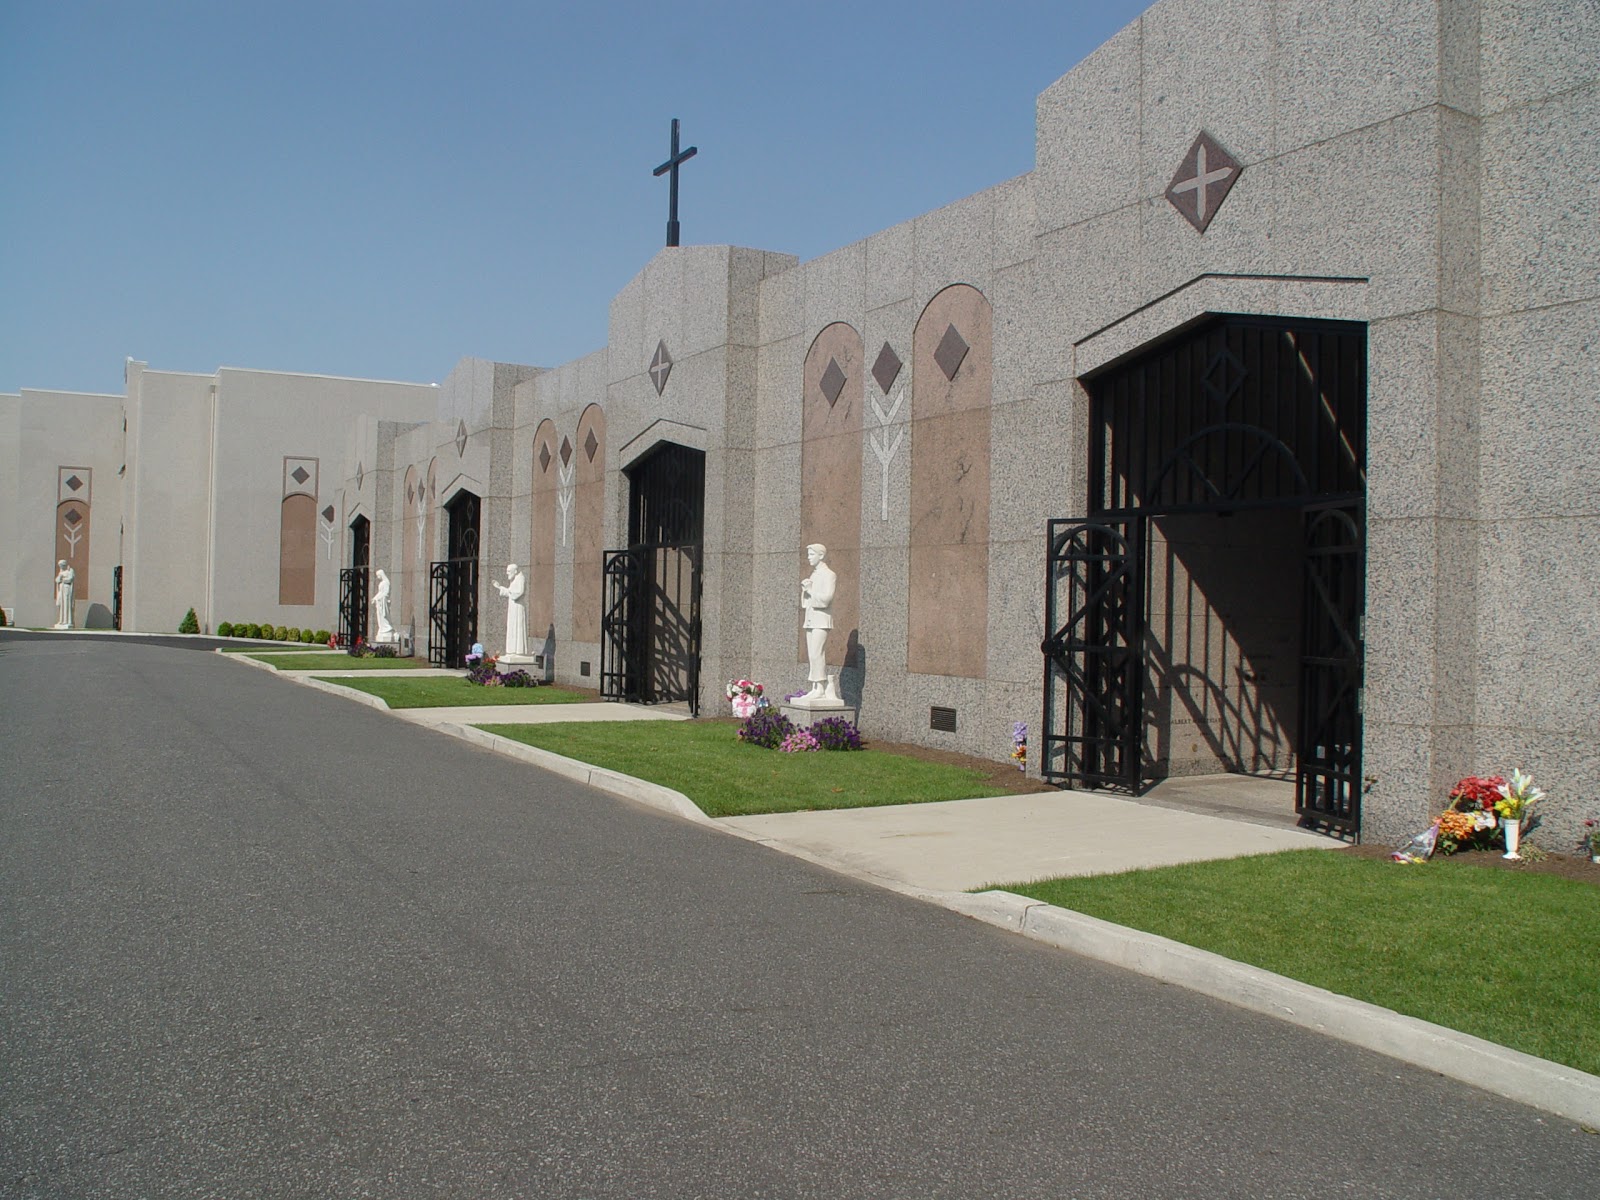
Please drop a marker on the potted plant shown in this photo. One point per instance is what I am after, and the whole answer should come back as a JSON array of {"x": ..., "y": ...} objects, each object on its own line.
[
  {"x": 745, "y": 695},
  {"x": 1517, "y": 796}
]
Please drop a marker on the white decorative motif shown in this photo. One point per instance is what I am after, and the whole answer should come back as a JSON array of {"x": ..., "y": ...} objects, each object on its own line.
[
  {"x": 882, "y": 448},
  {"x": 72, "y": 537},
  {"x": 422, "y": 516},
  {"x": 564, "y": 497},
  {"x": 328, "y": 538}
]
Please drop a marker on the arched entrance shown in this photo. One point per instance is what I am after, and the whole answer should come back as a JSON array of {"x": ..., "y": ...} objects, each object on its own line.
[
  {"x": 453, "y": 587},
  {"x": 1205, "y": 616},
  {"x": 354, "y": 584},
  {"x": 650, "y": 613}
]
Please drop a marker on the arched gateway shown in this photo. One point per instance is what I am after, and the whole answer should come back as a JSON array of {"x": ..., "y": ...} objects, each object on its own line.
[{"x": 1206, "y": 615}]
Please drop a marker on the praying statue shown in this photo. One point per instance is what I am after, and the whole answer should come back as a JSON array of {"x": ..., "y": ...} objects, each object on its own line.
[
  {"x": 65, "y": 578},
  {"x": 816, "y": 596},
  {"x": 516, "y": 611},
  {"x": 380, "y": 609}
]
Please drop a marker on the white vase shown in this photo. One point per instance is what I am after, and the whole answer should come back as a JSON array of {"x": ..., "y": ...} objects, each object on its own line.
[
  {"x": 744, "y": 706},
  {"x": 1513, "y": 832}
]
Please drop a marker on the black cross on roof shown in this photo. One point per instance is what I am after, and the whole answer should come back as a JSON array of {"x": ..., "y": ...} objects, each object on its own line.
[{"x": 672, "y": 165}]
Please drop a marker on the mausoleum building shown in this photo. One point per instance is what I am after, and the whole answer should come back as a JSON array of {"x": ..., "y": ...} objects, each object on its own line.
[{"x": 1250, "y": 431}]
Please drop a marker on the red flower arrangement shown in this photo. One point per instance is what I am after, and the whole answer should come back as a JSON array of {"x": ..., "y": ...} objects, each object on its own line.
[{"x": 1476, "y": 792}]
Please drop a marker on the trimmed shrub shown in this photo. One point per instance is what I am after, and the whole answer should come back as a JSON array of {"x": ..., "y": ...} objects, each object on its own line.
[
  {"x": 225, "y": 629},
  {"x": 255, "y": 631},
  {"x": 836, "y": 733},
  {"x": 307, "y": 637},
  {"x": 280, "y": 634},
  {"x": 294, "y": 633},
  {"x": 321, "y": 637},
  {"x": 190, "y": 623},
  {"x": 767, "y": 728}
]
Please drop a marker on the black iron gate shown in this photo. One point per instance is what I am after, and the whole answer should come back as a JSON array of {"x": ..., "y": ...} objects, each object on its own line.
[
  {"x": 353, "y": 587},
  {"x": 116, "y": 597},
  {"x": 452, "y": 610},
  {"x": 1328, "y": 784},
  {"x": 453, "y": 585},
  {"x": 650, "y": 614},
  {"x": 1093, "y": 731}
]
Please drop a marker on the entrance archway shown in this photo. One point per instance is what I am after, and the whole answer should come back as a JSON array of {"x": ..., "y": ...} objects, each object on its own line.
[
  {"x": 1205, "y": 615},
  {"x": 354, "y": 583},
  {"x": 650, "y": 614},
  {"x": 453, "y": 584}
]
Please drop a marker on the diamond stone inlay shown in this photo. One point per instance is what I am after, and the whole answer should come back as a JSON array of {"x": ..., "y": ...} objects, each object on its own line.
[
  {"x": 1223, "y": 377},
  {"x": 461, "y": 438},
  {"x": 566, "y": 453},
  {"x": 299, "y": 475},
  {"x": 73, "y": 516},
  {"x": 74, "y": 482},
  {"x": 544, "y": 457},
  {"x": 591, "y": 445},
  {"x": 832, "y": 382},
  {"x": 327, "y": 514},
  {"x": 1205, "y": 177},
  {"x": 951, "y": 353},
  {"x": 887, "y": 369},
  {"x": 411, "y": 494},
  {"x": 360, "y": 474},
  {"x": 660, "y": 367}
]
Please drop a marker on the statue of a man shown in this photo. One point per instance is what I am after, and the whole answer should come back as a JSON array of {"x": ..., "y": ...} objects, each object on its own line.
[
  {"x": 816, "y": 597},
  {"x": 380, "y": 608},
  {"x": 65, "y": 578},
  {"x": 516, "y": 611}
]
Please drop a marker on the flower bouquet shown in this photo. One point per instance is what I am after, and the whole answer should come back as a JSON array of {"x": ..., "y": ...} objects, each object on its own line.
[
  {"x": 1516, "y": 797},
  {"x": 746, "y": 695}
]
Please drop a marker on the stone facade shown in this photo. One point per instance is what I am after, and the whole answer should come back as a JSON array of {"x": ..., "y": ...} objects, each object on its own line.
[{"x": 921, "y": 400}]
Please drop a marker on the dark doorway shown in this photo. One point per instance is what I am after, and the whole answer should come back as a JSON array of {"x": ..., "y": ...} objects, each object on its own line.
[
  {"x": 354, "y": 585},
  {"x": 453, "y": 585},
  {"x": 1205, "y": 616},
  {"x": 650, "y": 612}
]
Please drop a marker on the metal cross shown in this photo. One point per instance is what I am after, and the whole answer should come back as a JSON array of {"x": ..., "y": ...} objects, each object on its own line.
[{"x": 672, "y": 165}]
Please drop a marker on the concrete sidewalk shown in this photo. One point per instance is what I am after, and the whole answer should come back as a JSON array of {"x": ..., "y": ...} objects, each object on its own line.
[{"x": 959, "y": 845}]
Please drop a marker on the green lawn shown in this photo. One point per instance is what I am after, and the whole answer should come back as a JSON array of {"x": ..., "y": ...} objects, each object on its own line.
[
  {"x": 1505, "y": 956},
  {"x": 311, "y": 660},
  {"x": 282, "y": 648},
  {"x": 451, "y": 691},
  {"x": 727, "y": 778}
]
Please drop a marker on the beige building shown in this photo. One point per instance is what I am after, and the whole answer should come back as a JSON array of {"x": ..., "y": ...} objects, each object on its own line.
[{"x": 1250, "y": 431}]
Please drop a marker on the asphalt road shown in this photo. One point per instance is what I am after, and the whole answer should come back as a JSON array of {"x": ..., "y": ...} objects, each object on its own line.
[{"x": 259, "y": 941}]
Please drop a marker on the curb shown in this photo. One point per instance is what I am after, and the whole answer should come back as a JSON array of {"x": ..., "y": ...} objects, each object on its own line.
[{"x": 1536, "y": 1082}]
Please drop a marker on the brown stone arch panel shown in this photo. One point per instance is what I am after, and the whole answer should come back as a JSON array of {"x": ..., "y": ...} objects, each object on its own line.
[
  {"x": 832, "y": 395},
  {"x": 297, "y": 551},
  {"x": 588, "y": 523},
  {"x": 951, "y": 391},
  {"x": 74, "y": 494},
  {"x": 297, "y": 533},
  {"x": 410, "y": 553},
  {"x": 542, "y": 555}
]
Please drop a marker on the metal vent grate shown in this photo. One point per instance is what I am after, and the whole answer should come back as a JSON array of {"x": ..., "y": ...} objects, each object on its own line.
[
  {"x": 942, "y": 719},
  {"x": 583, "y": 667}
]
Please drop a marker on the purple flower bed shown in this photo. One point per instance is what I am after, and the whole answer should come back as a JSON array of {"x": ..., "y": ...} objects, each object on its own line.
[
  {"x": 767, "y": 728},
  {"x": 836, "y": 733}
]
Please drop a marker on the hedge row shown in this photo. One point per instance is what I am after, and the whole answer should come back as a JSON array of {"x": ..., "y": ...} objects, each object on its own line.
[{"x": 274, "y": 633}]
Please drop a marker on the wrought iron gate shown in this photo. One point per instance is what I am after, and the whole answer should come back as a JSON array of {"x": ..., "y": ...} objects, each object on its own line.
[
  {"x": 1093, "y": 732},
  {"x": 116, "y": 597},
  {"x": 650, "y": 614},
  {"x": 452, "y": 610},
  {"x": 353, "y": 585},
  {"x": 1328, "y": 782}
]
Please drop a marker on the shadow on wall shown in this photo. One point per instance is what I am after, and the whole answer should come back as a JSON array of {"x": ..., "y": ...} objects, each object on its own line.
[
  {"x": 98, "y": 617},
  {"x": 548, "y": 649},
  {"x": 1221, "y": 655},
  {"x": 853, "y": 674}
]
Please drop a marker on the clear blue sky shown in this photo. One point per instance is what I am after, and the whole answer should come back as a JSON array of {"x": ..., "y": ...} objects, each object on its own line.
[{"x": 377, "y": 189}]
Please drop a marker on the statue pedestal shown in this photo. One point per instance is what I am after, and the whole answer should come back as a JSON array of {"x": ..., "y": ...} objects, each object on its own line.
[
  {"x": 514, "y": 660},
  {"x": 807, "y": 711}
]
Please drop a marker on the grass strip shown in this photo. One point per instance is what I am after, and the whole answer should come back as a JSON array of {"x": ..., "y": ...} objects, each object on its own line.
[
  {"x": 453, "y": 691},
  {"x": 727, "y": 778},
  {"x": 1503, "y": 956},
  {"x": 314, "y": 661},
  {"x": 283, "y": 648}
]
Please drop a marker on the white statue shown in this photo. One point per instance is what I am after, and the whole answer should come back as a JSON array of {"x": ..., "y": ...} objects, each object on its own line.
[
  {"x": 516, "y": 611},
  {"x": 65, "y": 578},
  {"x": 816, "y": 596},
  {"x": 380, "y": 609}
]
